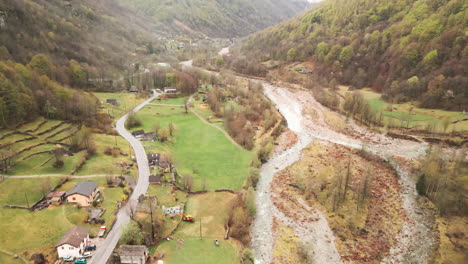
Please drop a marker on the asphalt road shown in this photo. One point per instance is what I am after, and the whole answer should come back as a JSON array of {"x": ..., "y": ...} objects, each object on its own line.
[{"x": 105, "y": 250}]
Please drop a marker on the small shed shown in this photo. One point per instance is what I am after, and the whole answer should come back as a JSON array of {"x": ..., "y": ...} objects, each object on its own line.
[
  {"x": 133, "y": 89},
  {"x": 170, "y": 90},
  {"x": 55, "y": 198},
  {"x": 164, "y": 163},
  {"x": 112, "y": 102},
  {"x": 155, "y": 179},
  {"x": 153, "y": 158},
  {"x": 150, "y": 136},
  {"x": 138, "y": 133},
  {"x": 130, "y": 254}
]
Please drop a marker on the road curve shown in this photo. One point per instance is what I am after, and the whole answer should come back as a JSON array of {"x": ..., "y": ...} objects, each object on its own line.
[{"x": 105, "y": 250}]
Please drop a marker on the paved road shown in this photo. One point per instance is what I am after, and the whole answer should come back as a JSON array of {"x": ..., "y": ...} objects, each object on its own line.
[{"x": 103, "y": 253}]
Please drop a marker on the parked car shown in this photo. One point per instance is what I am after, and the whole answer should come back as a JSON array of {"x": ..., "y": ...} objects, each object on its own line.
[
  {"x": 102, "y": 231},
  {"x": 80, "y": 261},
  {"x": 68, "y": 259},
  {"x": 90, "y": 247},
  {"x": 86, "y": 255}
]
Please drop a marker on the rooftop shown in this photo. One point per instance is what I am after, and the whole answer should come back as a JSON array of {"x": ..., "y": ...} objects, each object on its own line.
[
  {"x": 74, "y": 236},
  {"x": 128, "y": 250},
  {"x": 85, "y": 188}
]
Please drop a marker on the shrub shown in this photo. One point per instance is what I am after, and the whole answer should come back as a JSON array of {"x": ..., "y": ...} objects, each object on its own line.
[
  {"x": 132, "y": 121},
  {"x": 58, "y": 164},
  {"x": 248, "y": 256}
]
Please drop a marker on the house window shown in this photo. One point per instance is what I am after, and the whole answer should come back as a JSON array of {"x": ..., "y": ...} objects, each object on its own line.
[
  {"x": 63, "y": 247},
  {"x": 72, "y": 248},
  {"x": 74, "y": 198}
]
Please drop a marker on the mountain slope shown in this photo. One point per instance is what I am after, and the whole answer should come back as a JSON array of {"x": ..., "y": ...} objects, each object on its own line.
[
  {"x": 218, "y": 18},
  {"x": 407, "y": 49},
  {"x": 100, "y": 34},
  {"x": 48, "y": 46}
]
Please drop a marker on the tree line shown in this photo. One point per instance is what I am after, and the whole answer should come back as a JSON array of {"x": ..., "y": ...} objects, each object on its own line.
[{"x": 407, "y": 49}]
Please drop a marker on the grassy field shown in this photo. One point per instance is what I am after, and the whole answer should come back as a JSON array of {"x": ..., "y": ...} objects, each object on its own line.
[
  {"x": 127, "y": 102},
  {"x": 198, "y": 149},
  {"x": 105, "y": 164},
  {"x": 419, "y": 117},
  {"x": 212, "y": 210},
  {"x": 7, "y": 259},
  {"x": 40, "y": 230},
  {"x": 170, "y": 101},
  {"x": 26, "y": 163},
  {"x": 23, "y": 191},
  {"x": 194, "y": 250}
]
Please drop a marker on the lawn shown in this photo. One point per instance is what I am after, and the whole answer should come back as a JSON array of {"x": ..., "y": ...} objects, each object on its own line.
[
  {"x": 4, "y": 258},
  {"x": 198, "y": 149},
  {"x": 23, "y": 191},
  {"x": 212, "y": 209},
  {"x": 170, "y": 101},
  {"x": 101, "y": 163},
  {"x": 194, "y": 250}
]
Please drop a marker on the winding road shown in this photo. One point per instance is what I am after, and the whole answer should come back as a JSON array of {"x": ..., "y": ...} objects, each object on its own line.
[{"x": 106, "y": 248}]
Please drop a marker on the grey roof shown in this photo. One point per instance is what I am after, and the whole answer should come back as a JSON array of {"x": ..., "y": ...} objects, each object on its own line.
[
  {"x": 155, "y": 178},
  {"x": 129, "y": 250},
  {"x": 138, "y": 132},
  {"x": 153, "y": 157},
  {"x": 85, "y": 188},
  {"x": 74, "y": 236}
]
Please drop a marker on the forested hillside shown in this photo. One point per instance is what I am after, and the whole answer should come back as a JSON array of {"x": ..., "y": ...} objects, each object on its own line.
[
  {"x": 406, "y": 49},
  {"x": 47, "y": 46},
  {"x": 217, "y": 18},
  {"x": 99, "y": 35}
]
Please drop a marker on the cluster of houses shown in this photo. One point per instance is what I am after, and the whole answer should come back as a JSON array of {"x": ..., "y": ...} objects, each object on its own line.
[
  {"x": 82, "y": 194},
  {"x": 76, "y": 241},
  {"x": 166, "y": 90}
]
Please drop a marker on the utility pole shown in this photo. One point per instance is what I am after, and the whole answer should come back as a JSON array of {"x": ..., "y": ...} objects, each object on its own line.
[
  {"x": 152, "y": 221},
  {"x": 26, "y": 196},
  {"x": 201, "y": 237}
]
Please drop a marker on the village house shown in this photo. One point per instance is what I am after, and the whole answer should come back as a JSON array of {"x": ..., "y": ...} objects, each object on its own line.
[
  {"x": 83, "y": 193},
  {"x": 150, "y": 136},
  {"x": 155, "y": 179},
  {"x": 164, "y": 163},
  {"x": 170, "y": 90},
  {"x": 133, "y": 254},
  {"x": 133, "y": 89},
  {"x": 73, "y": 243},
  {"x": 55, "y": 198},
  {"x": 112, "y": 102},
  {"x": 138, "y": 133},
  {"x": 153, "y": 158}
]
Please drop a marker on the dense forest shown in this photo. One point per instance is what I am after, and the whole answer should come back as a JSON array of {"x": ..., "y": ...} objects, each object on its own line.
[
  {"x": 47, "y": 48},
  {"x": 99, "y": 35},
  {"x": 218, "y": 18},
  {"x": 28, "y": 91},
  {"x": 406, "y": 49}
]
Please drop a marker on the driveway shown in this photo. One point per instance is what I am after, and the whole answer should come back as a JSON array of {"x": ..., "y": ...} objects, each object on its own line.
[{"x": 107, "y": 246}]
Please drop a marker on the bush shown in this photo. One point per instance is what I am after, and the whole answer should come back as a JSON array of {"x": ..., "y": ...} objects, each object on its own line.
[
  {"x": 132, "y": 121},
  {"x": 132, "y": 234},
  {"x": 421, "y": 185},
  {"x": 254, "y": 176},
  {"x": 248, "y": 256},
  {"x": 58, "y": 164}
]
